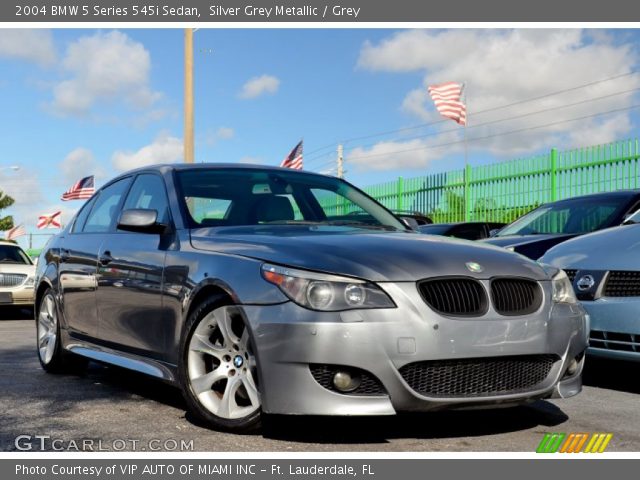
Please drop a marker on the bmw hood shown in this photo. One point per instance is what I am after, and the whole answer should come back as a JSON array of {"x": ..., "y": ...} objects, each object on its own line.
[
  {"x": 373, "y": 255},
  {"x": 609, "y": 249},
  {"x": 532, "y": 246}
]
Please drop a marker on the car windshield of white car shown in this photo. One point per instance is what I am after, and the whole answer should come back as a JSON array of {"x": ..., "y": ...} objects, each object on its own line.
[{"x": 11, "y": 254}]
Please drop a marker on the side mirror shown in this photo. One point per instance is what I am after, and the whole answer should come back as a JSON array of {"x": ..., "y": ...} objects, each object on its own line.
[
  {"x": 409, "y": 222},
  {"x": 493, "y": 232},
  {"x": 140, "y": 220},
  {"x": 631, "y": 218}
]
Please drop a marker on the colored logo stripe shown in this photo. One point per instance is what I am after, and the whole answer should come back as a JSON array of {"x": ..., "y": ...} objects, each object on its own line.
[
  {"x": 550, "y": 443},
  {"x": 574, "y": 443},
  {"x": 598, "y": 442}
]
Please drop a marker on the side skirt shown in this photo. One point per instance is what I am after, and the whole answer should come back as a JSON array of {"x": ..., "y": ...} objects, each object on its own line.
[{"x": 130, "y": 361}]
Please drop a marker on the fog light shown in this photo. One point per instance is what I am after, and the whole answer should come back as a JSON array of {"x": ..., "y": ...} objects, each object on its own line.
[
  {"x": 344, "y": 382},
  {"x": 573, "y": 367}
]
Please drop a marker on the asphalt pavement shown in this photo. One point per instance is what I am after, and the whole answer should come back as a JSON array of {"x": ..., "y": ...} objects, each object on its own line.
[{"x": 107, "y": 408}]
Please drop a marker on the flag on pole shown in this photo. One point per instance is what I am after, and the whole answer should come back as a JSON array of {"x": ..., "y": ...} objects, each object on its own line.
[
  {"x": 294, "y": 159},
  {"x": 49, "y": 220},
  {"x": 81, "y": 190},
  {"x": 15, "y": 232},
  {"x": 448, "y": 99}
]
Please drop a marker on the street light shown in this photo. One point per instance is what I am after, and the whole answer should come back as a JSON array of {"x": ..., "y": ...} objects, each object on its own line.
[{"x": 15, "y": 168}]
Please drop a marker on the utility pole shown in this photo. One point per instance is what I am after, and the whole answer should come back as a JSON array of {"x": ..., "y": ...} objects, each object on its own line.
[
  {"x": 340, "y": 162},
  {"x": 188, "y": 96}
]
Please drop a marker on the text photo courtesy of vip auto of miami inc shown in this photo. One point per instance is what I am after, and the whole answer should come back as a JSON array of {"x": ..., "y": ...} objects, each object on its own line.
[{"x": 319, "y": 240}]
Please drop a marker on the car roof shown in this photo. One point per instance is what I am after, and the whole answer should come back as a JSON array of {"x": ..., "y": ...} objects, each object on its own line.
[
  {"x": 165, "y": 167},
  {"x": 7, "y": 242},
  {"x": 616, "y": 193}
]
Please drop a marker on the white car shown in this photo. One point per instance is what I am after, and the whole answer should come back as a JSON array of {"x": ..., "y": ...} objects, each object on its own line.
[{"x": 17, "y": 273}]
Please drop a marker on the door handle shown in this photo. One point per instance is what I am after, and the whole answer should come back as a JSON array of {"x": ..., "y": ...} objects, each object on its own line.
[
  {"x": 105, "y": 258},
  {"x": 65, "y": 255}
]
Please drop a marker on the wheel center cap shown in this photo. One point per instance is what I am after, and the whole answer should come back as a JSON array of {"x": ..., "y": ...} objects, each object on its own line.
[{"x": 238, "y": 361}]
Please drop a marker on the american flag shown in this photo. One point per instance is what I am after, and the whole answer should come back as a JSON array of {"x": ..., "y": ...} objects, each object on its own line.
[
  {"x": 81, "y": 190},
  {"x": 448, "y": 99},
  {"x": 294, "y": 159},
  {"x": 15, "y": 232},
  {"x": 49, "y": 220}
]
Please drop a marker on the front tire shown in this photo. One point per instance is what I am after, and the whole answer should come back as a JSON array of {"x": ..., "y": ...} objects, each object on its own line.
[
  {"x": 218, "y": 368},
  {"x": 51, "y": 354}
]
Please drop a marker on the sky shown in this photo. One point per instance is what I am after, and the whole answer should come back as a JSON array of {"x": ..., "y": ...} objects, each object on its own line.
[{"x": 78, "y": 102}]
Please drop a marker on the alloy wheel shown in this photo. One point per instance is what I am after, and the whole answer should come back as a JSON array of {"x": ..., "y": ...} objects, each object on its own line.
[
  {"x": 47, "y": 329},
  {"x": 221, "y": 365}
]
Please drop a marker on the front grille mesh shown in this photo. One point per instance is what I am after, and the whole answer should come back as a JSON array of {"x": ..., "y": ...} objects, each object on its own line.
[
  {"x": 622, "y": 284},
  {"x": 455, "y": 296},
  {"x": 478, "y": 377},
  {"x": 624, "y": 342},
  {"x": 369, "y": 384},
  {"x": 514, "y": 296},
  {"x": 11, "y": 279}
]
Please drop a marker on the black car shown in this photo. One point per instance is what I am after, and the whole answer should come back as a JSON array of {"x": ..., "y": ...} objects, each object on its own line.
[
  {"x": 466, "y": 230},
  {"x": 553, "y": 223},
  {"x": 412, "y": 218}
]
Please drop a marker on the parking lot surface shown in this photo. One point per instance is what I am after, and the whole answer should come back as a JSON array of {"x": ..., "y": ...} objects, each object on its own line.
[{"x": 116, "y": 409}]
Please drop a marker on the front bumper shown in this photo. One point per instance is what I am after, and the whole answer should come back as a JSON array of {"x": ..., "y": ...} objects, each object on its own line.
[
  {"x": 17, "y": 296},
  {"x": 615, "y": 327},
  {"x": 289, "y": 338}
]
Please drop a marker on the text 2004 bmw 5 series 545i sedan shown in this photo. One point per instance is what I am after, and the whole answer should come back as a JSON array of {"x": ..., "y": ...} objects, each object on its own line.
[{"x": 270, "y": 290}]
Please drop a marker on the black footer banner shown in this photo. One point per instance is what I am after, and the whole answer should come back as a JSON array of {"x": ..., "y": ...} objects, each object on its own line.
[{"x": 578, "y": 468}]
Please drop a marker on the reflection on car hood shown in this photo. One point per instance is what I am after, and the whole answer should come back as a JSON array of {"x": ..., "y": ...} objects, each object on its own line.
[
  {"x": 369, "y": 254},
  {"x": 610, "y": 249},
  {"x": 532, "y": 246},
  {"x": 20, "y": 268},
  {"x": 512, "y": 240}
]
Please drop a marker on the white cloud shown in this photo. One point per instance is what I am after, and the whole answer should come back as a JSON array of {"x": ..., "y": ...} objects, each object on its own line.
[
  {"x": 79, "y": 163},
  {"x": 164, "y": 149},
  {"x": 415, "y": 153},
  {"x": 225, "y": 133},
  {"x": 211, "y": 137},
  {"x": 501, "y": 67},
  {"x": 257, "y": 86},
  {"x": 30, "y": 45},
  {"x": 104, "y": 67}
]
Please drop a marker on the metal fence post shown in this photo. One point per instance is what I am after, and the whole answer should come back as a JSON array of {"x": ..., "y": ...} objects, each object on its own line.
[
  {"x": 467, "y": 193},
  {"x": 554, "y": 174},
  {"x": 400, "y": 193}
]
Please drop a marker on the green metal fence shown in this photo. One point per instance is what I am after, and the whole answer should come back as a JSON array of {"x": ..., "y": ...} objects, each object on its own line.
[{"x": 503, "y": 191}]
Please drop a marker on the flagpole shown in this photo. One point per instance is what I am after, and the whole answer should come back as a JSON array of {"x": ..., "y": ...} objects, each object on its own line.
[{"x": 467, "y": 198}]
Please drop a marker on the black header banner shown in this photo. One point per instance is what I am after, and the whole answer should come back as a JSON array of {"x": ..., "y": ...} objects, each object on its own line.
[{"x": 318, "y": 11}]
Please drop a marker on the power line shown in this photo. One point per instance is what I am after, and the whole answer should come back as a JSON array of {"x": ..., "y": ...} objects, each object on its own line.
[
  {"x": 537, "y": 127},
  {"x": 514, "y": 117},
  {"x": 491, "y": 109}
]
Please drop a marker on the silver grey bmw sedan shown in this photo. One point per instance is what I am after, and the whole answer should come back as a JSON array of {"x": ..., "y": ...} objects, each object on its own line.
[{"x": 267, "y": 290}]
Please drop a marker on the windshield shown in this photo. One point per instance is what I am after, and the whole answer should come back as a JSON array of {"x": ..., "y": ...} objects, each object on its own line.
[
  {"x": 237, "y": 197},
  {"x": 13, "y": 254},
  {"x": 581, "y": 215}
]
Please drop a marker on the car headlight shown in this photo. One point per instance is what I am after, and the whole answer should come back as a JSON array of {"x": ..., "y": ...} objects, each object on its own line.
[
  {"x": 30, "y": 282},
  {"x": 562, "y": 288},
  {"x": 319, "y": 291}
]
